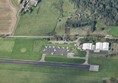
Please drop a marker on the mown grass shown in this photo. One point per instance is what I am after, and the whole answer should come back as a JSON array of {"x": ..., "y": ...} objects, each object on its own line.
[
  {"x": 46, "y": 20},
  {"x": 24, "y": 49},
  {"x": 40, "y": 23},
  {"x": 36, "y": 74},
  {"x": 12, "y": 73},
  {"x": 6, "y": 46},
  {"x": 55, "y": 58},
  {"x": 113, "y": 30},
  {"x": 107, "y": 65}
]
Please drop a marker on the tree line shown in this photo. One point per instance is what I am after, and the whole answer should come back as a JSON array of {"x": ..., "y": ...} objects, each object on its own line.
[{"x": 104, "y": 10}]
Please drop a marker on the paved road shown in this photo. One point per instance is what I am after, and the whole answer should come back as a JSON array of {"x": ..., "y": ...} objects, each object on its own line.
[
  {"x": 56, "y": 64},
  {"x": 33, "y": 37}
]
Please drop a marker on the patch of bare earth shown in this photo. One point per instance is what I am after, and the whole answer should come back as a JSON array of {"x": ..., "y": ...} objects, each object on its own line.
[{"x": 8, "y": 17}]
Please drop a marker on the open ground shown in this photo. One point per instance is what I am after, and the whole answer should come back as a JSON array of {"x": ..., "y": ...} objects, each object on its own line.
[{"x": 7, "y": 17}]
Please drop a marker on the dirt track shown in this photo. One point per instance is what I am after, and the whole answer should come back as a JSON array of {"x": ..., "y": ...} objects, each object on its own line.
[{"x": 8, "y": 17}]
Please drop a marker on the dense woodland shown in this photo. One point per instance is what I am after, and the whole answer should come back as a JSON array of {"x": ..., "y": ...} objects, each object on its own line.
[{"x": 89, "y": 12}]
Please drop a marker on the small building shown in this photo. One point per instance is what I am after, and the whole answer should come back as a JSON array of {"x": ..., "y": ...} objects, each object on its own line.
[{"x": 87, "y": 46}]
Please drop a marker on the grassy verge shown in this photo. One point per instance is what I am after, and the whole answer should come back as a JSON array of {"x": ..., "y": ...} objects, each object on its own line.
[{"x": 55, "y": 58}]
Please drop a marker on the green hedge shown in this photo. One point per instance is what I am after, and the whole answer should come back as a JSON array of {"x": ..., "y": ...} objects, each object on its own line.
[{"x": 53, "y": 58}]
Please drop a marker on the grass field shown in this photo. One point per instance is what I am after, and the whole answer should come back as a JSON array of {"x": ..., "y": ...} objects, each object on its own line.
[
  {"x": 113, "y": 30},
  {"x": 41, "y": 23},
  {"x": 56, "y": 58},
  {"x": 68, "y": 10},
  {"x": 38, "y": 74},
  {"x": 6, "y": 45},
  {"x": 14, "y": 73},
  {"x": 26, "y": 49},
  {"x": 46, "y": 20},
  {"x": 7, "y": 17}
]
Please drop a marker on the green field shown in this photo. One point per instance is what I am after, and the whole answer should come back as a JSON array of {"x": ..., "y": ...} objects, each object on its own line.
[
  {"x": 46, "y": 20},
  {"x": 26, "y": 49},
  {"x": 11, "y": 73},
  {"x": 68, "y": 10},
  {"x": 40, "y": 23},
  {"x": 6, "y": 46},
  {"x": 113, "y": 30},
  {"x": 64, "y": 59}
]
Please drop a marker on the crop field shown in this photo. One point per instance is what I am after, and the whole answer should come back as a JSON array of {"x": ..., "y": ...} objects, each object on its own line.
[{"x": 7, "y": 17}]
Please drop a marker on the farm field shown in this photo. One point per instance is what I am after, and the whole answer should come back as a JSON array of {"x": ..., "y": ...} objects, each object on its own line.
[
  {"x": 38, "y": 74},
  {"x": 24, "y": 49},
  {"x": 7, "y": 17}
]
